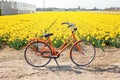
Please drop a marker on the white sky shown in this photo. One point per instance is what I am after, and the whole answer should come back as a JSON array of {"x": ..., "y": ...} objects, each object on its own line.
[{"x": 74, "y": 3}]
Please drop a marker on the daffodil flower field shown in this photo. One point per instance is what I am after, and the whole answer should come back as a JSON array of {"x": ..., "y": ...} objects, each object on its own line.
[{"x": 101, "y": 29}]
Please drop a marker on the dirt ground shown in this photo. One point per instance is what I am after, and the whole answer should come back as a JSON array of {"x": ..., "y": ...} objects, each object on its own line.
[{"x": 106, "y": 66}]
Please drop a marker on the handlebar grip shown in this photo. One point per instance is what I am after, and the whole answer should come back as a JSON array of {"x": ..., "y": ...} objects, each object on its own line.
[
  {"x": 65, "y": 23},
  {"x": 70, "y": 25},
  {"x": 75, "y": 29}
]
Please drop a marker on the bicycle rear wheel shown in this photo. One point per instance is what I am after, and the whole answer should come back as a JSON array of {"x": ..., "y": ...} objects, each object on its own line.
[
  {"x": 82, "y": 53},
  {"x": 37, "y": 54}
]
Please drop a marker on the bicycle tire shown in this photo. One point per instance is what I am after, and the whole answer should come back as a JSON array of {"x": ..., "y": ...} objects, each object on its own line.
[
  {"x": 86, "y": 52},
  {"x": 32, "y": 51}
]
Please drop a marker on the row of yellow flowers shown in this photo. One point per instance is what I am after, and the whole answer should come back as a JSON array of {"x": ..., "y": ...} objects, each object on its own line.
[{"x": 99, "y": 28}]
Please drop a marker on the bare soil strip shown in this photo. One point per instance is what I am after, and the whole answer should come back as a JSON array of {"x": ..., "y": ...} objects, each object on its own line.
[{"x": 106, "y": 66}]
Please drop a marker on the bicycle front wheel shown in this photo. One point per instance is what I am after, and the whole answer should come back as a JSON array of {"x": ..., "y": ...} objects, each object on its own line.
[
  {"x": 37, "y": 54},
  {"x": 82, "y": 53}
]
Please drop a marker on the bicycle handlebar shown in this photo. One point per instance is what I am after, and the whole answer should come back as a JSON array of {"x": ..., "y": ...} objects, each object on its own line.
[{"x": 70, "y": 25}]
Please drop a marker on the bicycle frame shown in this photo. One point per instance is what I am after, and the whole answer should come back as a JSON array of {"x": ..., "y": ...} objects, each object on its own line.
[
  {"x": 70, "y": 40},
  {"x": 55, "y": 52}
]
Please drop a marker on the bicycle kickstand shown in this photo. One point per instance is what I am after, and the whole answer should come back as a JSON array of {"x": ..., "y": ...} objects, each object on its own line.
[{"x": 56, "y": 62}]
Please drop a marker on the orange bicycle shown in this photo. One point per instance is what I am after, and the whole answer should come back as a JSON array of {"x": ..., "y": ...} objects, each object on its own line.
[{"x": 39, "y": 52}]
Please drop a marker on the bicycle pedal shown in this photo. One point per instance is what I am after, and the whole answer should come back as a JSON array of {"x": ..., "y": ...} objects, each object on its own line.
[{"x": 53, "y": 56}]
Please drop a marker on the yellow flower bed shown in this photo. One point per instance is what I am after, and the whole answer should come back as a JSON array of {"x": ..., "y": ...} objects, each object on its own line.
[{"x": 99, "y": 28}]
